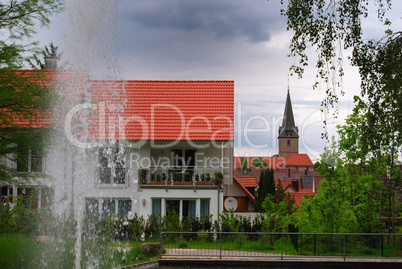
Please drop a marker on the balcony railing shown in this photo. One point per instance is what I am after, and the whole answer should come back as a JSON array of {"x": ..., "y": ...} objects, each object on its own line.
[{"x": 171, "y": 174}]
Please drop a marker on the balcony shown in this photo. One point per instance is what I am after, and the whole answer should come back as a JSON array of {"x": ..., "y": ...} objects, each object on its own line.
[{"x": 174, "y": 175}]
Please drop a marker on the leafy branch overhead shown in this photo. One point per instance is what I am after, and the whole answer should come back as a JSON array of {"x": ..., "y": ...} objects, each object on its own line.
[
  {"x": 18, "y": 21},
  {"x": 331, "y": 26}
]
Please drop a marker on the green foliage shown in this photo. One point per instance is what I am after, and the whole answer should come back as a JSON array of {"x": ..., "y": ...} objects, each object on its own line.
[
  {"x": 171, "y": 221},
  {"x": 18, "y": 21},
  {"x": 218, "y": 177},
  {"x": 330, "y": 27},
  {"x": 243, "y": 165},
  {"x": 137, "y": 227},
  {"x": 22, "y": 219},
  {"x": 351, "y": 194},
  {"x": 152, "y": 228},
  {"x": 280, "y": 196},
  {"x": 277, "y": 215},
  {"x": 266, "y": 186},
  {"x": 258, "y": 163},
  {"x": 22, "y": 96},
  {"x": 19, "y": 251},
  {"x": 51, "y": 51}
]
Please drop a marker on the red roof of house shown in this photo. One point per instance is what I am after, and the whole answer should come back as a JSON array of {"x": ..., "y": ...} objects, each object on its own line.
[
  {"x": 243, "y": 187},
  {"x": 272, "y": 162},
  {"x": 151, "y": 110},
  {"x": 165, "y": 110},
  {"x": 248, "y": 181},
  {"x": 278, "y": 163},
  {"x": 299, "y": 159}
]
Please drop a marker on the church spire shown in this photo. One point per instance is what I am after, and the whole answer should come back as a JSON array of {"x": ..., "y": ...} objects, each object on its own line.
[{"x": 288, "y": 128}]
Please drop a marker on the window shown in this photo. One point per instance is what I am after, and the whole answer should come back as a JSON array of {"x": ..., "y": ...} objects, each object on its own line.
[
  {"x": 183, "y": 208},
  {"x": 183, "y": 158},
  {"x": 124, "y": 206},
  {"x": 103, "y": 207},
  {"x": 92, "y": 207},
  {"x": 29, "y": 160},
  {"x": 204, "y": 207},
  {"x": 172, "y": 206},
  {"x": 108, "y": 207},
  {"x": 112, "y": 169},
  {"x": 156, "y": 208},
  {"x": 189, "y": 208},
  {"x": 288, "y": 142}
]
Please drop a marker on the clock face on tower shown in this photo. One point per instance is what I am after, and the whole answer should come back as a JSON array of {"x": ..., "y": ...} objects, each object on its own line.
[{"x": 231, "y": 203}]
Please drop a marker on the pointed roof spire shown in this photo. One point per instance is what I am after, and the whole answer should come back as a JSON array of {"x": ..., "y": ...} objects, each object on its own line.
[{"x": 288, "y": 128}]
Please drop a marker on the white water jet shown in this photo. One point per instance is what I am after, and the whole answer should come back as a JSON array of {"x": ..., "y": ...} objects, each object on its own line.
[{"x": 90, "y": 49}]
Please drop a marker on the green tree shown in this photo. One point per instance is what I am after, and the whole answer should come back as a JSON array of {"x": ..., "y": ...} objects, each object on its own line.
[
  {"x": 258, "y": 163},
  {"x": 277, "y": 215},
  {"x": 281, "y": 195},
  {"x": 349, "y": 196},
  {"x": 18, "y": 21},
  {"x": 243, "y": 165},
  {"x": 368, "y": 156},
  {"x": 266, "y": 186},
  {"x": 24, "y": 96}
]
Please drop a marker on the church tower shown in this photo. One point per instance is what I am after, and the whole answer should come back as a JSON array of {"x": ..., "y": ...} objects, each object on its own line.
[{"x": 288, "y": 137}]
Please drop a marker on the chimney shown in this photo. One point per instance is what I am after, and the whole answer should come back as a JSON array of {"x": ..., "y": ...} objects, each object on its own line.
[{"x": 51, "y": 62}]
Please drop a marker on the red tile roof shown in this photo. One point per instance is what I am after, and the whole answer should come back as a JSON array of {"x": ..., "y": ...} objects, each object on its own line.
[
  {"x": 249, "y": 195},
  {"x": 152, "y": 110},
  {"x": 166, "y": 110},
  {"x": 278, "y": 163},
  {"x": 248, "y": 181},
  {"x": 299, "y": 159},
  {"x": 275, "y": 162}
]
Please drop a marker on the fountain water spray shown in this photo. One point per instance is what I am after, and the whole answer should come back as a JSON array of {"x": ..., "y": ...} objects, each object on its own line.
[{"x": 90, "y": 48}]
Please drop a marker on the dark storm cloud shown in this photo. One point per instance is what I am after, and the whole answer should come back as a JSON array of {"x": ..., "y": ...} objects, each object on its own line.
[{"x": 226, "y": 19}]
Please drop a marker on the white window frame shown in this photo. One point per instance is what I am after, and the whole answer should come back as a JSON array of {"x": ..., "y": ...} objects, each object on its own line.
[
  {"x": 116, "y": 205},
  {"x": 197, "y": 205},
  {"x": 100, "y": 184}
]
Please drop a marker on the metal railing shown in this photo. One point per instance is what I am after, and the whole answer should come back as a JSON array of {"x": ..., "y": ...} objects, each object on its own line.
[
  {"x": 281, "y": 245},
  {"x": 176, "y": 174}
]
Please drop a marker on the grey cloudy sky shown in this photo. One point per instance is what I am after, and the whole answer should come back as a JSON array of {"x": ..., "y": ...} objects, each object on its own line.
[{"x": 241, "y": 40}]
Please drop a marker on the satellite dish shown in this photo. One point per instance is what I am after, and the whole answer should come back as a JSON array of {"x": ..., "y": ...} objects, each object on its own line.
[{"x": 231, "y": 203}]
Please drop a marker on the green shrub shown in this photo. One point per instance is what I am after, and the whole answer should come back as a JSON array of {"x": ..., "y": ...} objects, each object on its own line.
[
  {"x": 152, "y": 228},
  {"x": 137, "y": 225}
]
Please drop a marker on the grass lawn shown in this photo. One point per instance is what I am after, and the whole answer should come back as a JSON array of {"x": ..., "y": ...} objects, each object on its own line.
[{"x": 19, "y": 251}]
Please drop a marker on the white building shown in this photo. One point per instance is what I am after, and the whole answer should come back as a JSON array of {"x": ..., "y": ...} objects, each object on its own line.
[{"x": 144, "y": 147}]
